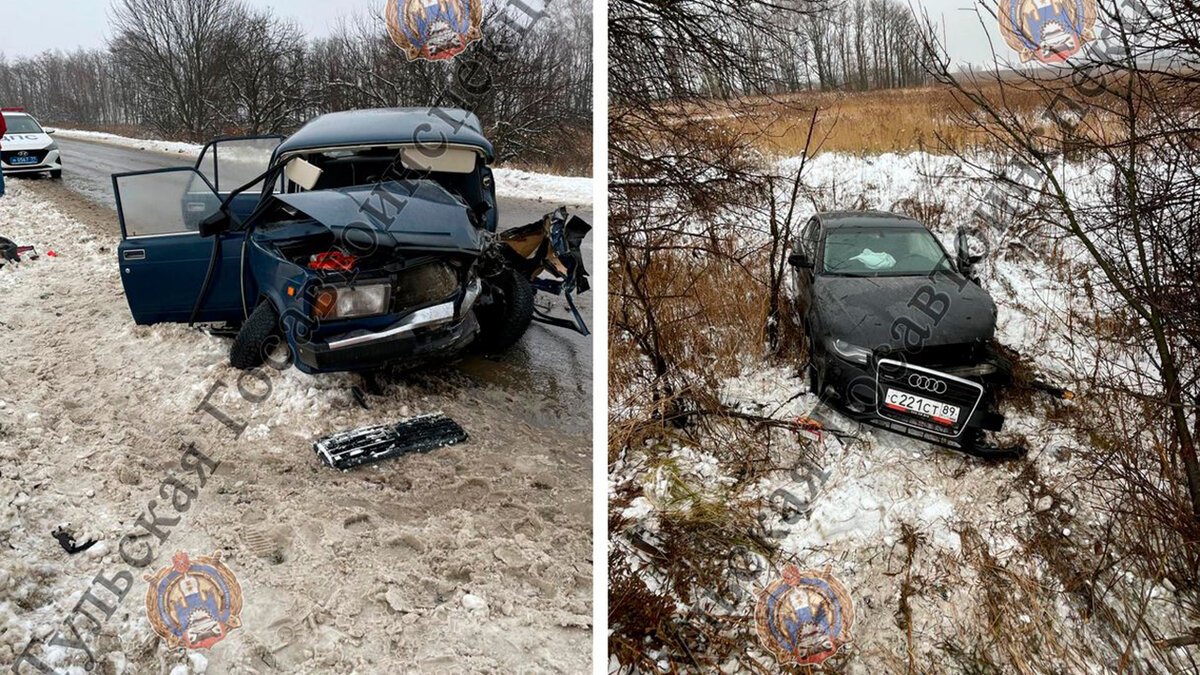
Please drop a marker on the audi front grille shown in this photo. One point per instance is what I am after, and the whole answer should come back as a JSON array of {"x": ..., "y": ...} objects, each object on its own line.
[{"x": 931, "y": 385}]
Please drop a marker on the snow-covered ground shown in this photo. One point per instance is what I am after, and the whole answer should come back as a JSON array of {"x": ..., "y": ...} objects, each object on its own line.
[
  {"x": 475, "y": 557},
  {"x": 949, "y": 560},
  {"x": 510, "y": 183}
]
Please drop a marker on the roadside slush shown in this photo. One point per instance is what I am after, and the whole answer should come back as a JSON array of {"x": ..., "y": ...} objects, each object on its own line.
[{"x": 367, "y": 569}]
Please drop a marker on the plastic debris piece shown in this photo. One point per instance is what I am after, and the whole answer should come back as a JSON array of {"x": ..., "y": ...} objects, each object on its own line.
[{"x": 345, "y": 450}]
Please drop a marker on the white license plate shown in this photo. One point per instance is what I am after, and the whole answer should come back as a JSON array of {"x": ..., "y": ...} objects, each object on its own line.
[{"x": 942, "y": 413}]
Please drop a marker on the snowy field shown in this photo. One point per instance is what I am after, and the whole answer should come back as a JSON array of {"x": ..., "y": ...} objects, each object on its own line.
[
  {"x": 510, "y": 183},
  {"x": 945, "y": 556},
  {"x": 475, "y": 557}
]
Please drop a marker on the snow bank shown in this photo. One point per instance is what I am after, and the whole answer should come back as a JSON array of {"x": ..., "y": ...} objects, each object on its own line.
[
  {"x": 147, "y": 144},
  {"x": 543, "y": 187},
  {"x": 510, "y": 183}
]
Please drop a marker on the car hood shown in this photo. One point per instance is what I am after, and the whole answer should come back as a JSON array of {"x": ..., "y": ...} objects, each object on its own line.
[
  {"x": 14, "y": 142},
  {"x": 873, "y": 312},
  {"x": 406, "y": 214}
]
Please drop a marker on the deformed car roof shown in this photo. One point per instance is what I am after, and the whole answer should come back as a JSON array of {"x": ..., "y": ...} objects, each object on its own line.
[{"x": 390, "y": 126}]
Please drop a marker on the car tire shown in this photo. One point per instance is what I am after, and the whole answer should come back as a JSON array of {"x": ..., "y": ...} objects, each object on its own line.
[
  {"x": 811, "y": 371},
  {"x": 250, "y": 347},
  {"x": 507, "y": 317},
  {"x": 56, "y": 174}
]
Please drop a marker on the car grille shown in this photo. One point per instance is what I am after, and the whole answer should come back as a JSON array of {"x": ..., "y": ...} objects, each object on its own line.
[
  {"x": 945, "y": 355},
  {"x": 929, "y": 384},
  {"x": 8, "y": 156},
  {"x": 423, "y": 285}
]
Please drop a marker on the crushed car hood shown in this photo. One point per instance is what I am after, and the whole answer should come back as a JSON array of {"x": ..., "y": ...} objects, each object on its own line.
[
  {"x": 417, "y": 214},
  {"x": 863, "y": 310}
]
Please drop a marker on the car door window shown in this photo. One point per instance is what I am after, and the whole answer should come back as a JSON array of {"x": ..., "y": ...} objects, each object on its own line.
[
  {"x": 230, "y": 163},
  {"x": 808, "y": 240},
  {"x": 163, "y": 202}
]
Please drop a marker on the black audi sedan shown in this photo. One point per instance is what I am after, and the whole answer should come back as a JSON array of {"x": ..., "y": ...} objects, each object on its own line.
[{"x": 899, "y": 335}]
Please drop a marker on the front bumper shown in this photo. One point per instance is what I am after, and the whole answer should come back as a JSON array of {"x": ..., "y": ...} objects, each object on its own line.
[
  {"x": 51, "y": 162},
  {"x": 858, "y": 392},
  {"x": 402, "y": 341}
]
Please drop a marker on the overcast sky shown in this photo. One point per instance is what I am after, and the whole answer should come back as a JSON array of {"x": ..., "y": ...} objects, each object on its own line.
[
  {"x": 29, "y": 27},
  {"x": 970, "y": 32}
]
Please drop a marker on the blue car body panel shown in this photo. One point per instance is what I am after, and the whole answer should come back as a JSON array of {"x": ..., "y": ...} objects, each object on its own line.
[
  {"x": 414, "y": 214},
  {"x": 154, "y": 269},
  {"x": 428, "y": 127}
]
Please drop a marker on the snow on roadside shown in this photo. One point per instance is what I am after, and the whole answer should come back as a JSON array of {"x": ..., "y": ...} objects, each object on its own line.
[
  {"x": 543, "y": 187},
  {"x": 510, "y": 183},
  {"x": 92, "y": 417},
  {"x": 147, "y": 144}
]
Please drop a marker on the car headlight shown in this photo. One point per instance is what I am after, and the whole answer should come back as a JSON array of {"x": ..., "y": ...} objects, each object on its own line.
[
  {"x": 345, "y": 302},
  {"x": 849, "y": 352},
  {"x": 53, "y": 145},
  {"x": 978, "y": 370}
]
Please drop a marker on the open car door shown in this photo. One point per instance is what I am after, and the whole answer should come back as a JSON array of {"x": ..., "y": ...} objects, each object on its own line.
[{"x": 164, "y": 260}]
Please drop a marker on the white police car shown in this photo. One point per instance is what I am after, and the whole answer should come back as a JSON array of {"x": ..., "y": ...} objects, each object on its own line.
[{"x": 27, "y": 147}]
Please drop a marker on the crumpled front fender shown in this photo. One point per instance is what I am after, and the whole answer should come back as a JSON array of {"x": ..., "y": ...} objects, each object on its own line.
[{"x": 549, "y": 253}]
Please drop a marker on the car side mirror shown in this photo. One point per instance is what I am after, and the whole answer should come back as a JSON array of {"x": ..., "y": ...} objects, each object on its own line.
[
  {"x": 214, "y": 224},
  {"x": 799, "y": 261},
  {"x": 50, "y": 132},
  {"x": 962, "y": 251}
]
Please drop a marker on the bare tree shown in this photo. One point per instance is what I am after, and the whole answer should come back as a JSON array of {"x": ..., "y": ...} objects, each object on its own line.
[{"x": 175, "y": 54}]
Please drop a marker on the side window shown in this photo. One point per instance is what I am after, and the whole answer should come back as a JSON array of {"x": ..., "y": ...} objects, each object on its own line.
[
  {"x": 808, "y": 239},
  {"x": 231, "y": 163},
  {"x": 165, "y": 201}
]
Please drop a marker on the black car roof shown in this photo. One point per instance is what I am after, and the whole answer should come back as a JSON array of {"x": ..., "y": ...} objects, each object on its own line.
[
  {"x": 835, "y": 219},
  {"x": 390, "y": 126}
]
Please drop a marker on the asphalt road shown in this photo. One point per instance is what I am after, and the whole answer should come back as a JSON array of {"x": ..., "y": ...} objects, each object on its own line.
[{"x": 548, "y": 375}]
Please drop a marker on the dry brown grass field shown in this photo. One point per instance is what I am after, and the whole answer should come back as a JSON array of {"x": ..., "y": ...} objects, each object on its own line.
[{"x": 926, "y": 119}]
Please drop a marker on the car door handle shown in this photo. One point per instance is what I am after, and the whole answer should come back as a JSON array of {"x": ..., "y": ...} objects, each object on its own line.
[{"x": 135, "y": 254}]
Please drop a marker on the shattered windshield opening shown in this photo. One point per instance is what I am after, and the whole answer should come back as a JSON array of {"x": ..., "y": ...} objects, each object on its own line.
[
  {"x": 379, "y": 165},
  {"x": 885, "y": 251}
]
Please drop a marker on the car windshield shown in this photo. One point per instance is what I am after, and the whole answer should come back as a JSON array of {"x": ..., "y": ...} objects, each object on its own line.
[
  {"x": 884, "y": 251},
  {"x": 21, "y": 124}
]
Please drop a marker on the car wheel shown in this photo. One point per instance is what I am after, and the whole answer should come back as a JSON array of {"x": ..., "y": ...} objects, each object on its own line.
[
  {"x": 506, "y": 318},
  {"x": 258, "y": 334},
  {"x": 57, "y": 173}
]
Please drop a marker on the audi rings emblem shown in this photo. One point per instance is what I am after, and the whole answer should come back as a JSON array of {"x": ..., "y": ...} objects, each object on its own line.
[{"x": 929, "y": 384}]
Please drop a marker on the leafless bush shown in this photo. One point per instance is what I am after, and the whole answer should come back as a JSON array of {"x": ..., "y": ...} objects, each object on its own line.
[{"x": 1124, "y": 107}]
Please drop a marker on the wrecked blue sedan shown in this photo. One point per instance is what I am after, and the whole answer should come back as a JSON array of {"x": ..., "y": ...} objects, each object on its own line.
[{"x": 365, "y": 238}]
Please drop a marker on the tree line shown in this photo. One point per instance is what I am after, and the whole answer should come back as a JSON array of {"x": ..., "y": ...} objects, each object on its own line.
[
  {"x": 772, "y": 48},
  {"x": 193, "y": 69}
]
